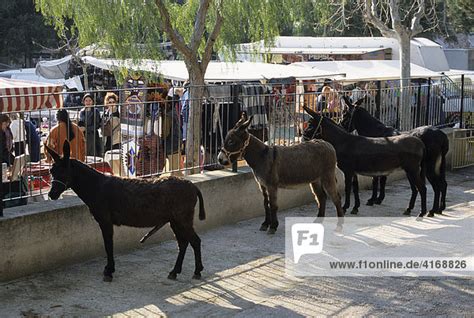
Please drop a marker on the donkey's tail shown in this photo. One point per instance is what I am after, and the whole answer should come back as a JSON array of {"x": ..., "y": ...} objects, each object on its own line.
[{"x": 202, "y": 212}]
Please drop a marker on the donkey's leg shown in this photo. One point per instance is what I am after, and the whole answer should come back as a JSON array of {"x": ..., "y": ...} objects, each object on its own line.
[
  {"x": 330, "y": 186},
  {"x": 179, "y": 232},
  {"x": 272, "y": 196},
  {"x": 421, "y": 187},
  {"x": 196, "y": 244},
  {"x": 320, "y": 197},
  {"x": 375, "y": 184},
  {"x": 347, "y": 182},
  {"x": 443, "y": 184},
  {"x": 355, "y": 184},
  {"x": 383, "y": 182},
  {"x": 434, "y": 181},
  {"x": 266, "y": 204},
  {"x": 107, "y": 229},
  {"x": 414, "y": 193}
]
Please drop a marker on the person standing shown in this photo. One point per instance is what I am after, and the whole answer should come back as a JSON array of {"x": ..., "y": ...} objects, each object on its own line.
[
  {"x": 33, "y": 141},
  {"x": 89, "y": 121},
  {"x": 17, "y": 127},
  {"x": 6, "y": 138},
  {"x": 66, "y": 130},
  {"x": 111, "y": 122}
]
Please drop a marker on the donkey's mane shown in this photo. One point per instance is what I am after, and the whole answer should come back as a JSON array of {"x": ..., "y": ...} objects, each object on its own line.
[
  {"x": 367, "y": 115},
  {"x": 333, "y": 124}
]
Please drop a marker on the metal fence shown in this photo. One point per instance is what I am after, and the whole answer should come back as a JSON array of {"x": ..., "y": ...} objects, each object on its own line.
[
  {"x": 143, "y": 132},
  {"x": 463, "y": 148}
]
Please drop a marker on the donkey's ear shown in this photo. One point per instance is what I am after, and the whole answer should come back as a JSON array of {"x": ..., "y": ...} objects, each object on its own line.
[
  {"x": 347, "y": 101},
  {"x": 246, "y": 123},
  {"x": 52, "y": 153},
  {"x": 66, "y": 150},
  {"x": 360, "y": 101},
  {"x": 311, "y": 112},
  {"x": 240, "y": 122}
]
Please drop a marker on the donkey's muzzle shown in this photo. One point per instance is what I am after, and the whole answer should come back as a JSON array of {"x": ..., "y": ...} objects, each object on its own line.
[{"x": 222, "y": 159}]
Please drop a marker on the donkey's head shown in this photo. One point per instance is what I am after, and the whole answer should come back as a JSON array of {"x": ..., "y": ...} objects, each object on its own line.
[
  {"x": 348, "y": 114},
  {"x": 235, "y": 142},
  {"x": 60, "y": 171},
  {"x": 313, "y": 128}
]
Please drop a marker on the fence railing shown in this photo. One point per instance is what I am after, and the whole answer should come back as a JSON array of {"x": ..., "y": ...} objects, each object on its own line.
[
  {"x": 463, "y": 148},
  {"x": 142, "y": 131}
]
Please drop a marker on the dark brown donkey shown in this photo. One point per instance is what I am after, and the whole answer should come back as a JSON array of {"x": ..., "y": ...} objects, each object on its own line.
[
  {"x": 372, "y": 157},
  {"x": 132, "y": 202},
  {"x": 436, "y": 143},
  {"x": 280, "y": 167}
]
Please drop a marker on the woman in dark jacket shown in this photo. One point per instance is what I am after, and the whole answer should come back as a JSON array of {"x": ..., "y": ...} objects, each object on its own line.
[
  {"x": 90, "y": 121},
  {"x": 33, "y": 141},
  {"x": 6, "y": 140}
]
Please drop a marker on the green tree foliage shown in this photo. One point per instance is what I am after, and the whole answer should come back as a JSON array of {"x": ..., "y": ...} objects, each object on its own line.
[
  {"x": 20, "y": 27},
  {"x": 196, "y": 28},
  {"x": 326, "y": 18},
  {"x": 460, "y": 14}
]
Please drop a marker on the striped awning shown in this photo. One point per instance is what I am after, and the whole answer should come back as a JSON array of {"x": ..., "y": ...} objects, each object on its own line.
[{"x": 16, "y": 95}]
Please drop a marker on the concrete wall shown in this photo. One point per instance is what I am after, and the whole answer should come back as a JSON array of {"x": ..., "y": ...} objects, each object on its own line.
[{"x": 50, "y": 234}]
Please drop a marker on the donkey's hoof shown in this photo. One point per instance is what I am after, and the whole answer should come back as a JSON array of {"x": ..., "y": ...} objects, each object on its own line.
[
  {"x": 378, "y": 201},
  {"x": 172, "y": 276},
  {"x": 338, "y": 230},
  {"x": 271, "y": 231},
  {"x": 370, "y": 202},
  {"x": 355, "y": 211},
  {"x": 263, "y": 227},
  {"x": 407, "y": 212},
  {"x": 431, "y": 214},
  {"x": 422, "y": 214},
  {"x": 107, "y": 278},
  {"x": 197, "y": 276}
]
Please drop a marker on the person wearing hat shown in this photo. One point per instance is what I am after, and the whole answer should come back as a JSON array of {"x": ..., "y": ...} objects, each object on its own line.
[{"x": 90, "y": 121}]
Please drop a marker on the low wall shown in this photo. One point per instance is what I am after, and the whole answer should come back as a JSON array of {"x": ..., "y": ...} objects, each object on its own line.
[{"x": 51, "y": 234}]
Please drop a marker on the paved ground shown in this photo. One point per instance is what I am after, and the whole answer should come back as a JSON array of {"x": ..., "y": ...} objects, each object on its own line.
[{"x": 244, "y": 276}]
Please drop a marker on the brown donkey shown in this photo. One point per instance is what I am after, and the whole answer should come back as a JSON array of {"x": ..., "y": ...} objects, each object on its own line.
[
  {"x": 276, "y": 167},
  {"x": 132, "y": 202}
]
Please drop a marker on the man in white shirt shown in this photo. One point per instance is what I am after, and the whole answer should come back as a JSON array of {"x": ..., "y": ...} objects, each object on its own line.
[{"x": 19, "y": 134}]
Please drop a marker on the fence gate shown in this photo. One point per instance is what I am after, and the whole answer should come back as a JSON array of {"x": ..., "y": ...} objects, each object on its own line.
[{"x": 463, "y": 148}]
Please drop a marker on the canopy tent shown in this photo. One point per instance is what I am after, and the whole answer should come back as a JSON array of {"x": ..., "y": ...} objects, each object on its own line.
[
  {"x": 16, "y": 95},
  {"x": 30, "y": 74},
  {"x": 176, "y": 70},
  {"x": 53, "y": 69},
  {"x": 376, "y": 70}
]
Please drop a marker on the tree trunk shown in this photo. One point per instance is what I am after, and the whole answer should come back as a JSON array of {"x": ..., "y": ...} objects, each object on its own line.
[
  {"x": 404, "y": 109},
  {"x": 86, "y": 79},
  {"x": 193, "y": 133}
]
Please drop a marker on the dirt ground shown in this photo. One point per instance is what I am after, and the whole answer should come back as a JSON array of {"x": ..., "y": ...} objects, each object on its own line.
[{"x": 244, "y": 276}]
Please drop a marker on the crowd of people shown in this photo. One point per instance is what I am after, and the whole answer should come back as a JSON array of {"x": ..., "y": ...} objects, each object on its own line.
[{"x": 96, "y": 129}]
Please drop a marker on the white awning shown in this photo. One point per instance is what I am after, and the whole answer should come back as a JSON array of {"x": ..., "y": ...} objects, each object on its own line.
[
  {"x": 216, "y": 71},
  {"x": 366, "y": 70},
  {"x": 319, "y": 50}
]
